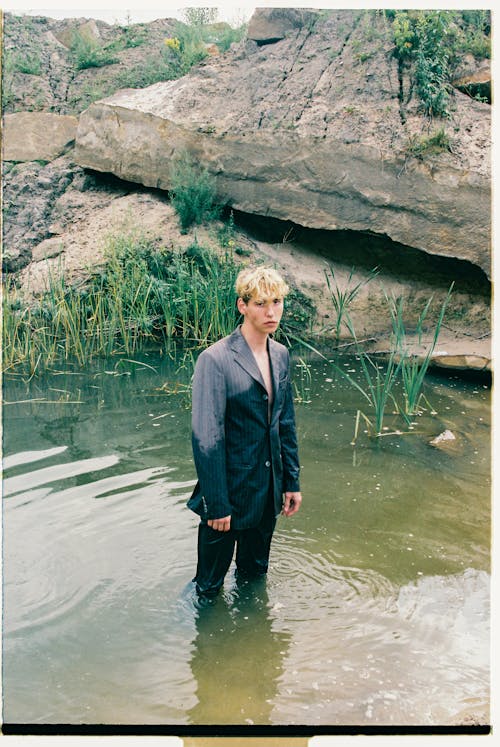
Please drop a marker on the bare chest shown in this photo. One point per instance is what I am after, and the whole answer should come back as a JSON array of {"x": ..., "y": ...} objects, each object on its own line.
[{"x": 265, "y": 370}]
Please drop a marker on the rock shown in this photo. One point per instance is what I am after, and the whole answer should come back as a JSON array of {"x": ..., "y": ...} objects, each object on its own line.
[
  {"x": 269, "y": 25},
  {"x": 302, "y": 131},
  {"x": 30, "y": 193},
  {"x": 88, "y": 30},
  {"x": 463, "y": 362},
  {"x": 212, "y": 50},
  {"x": 58, "y": 85},
  {"x": 48, "y": 248},
  {"x": 473, "y": 77},
  {"x": 471, "y": 71},
  {"x": 444, "y": 437},
  {"x": 37, "y": 136}
]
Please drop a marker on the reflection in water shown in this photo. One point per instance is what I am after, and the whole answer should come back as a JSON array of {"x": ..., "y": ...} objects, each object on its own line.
[
  {"x": 376, "y": 605},
  {"x": 237, "y": 658}
]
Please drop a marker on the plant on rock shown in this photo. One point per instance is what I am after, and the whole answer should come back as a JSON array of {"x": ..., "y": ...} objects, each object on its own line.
[{"x": 193, "y": 192}]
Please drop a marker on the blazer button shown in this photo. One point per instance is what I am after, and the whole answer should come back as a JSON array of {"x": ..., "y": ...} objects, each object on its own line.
[
  {"x": 268, "y": 464},
  {"x": 264, "y": 396}
]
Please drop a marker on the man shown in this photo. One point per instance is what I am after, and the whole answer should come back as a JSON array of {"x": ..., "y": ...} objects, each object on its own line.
[{"x": 244, "y": 438}]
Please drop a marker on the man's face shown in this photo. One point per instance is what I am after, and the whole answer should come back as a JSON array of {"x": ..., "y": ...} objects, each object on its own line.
[{"x": 262, "y": 314}]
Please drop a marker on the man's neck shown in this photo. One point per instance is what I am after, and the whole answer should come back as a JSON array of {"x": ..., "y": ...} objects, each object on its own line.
[{"x": 257, "y": 341}]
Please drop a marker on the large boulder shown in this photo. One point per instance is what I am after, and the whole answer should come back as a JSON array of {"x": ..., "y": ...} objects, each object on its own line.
[
  {"x": 37, "y": 136},
  {"x": 268, "y": 25},
  {"x": 310, "y": 129}
]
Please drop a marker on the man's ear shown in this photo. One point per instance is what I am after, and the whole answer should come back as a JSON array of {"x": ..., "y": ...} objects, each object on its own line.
[{"x": 242, "y": 307}]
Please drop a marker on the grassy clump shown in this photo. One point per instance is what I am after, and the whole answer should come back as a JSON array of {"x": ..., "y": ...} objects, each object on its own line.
[
  {"x": 144, "y": 295},
  {"x": 193, "y": 192},
  {"x": 87, "y": 51},
  {"x": 413, "y": 367},
  {"x": 422, "y": 146},
  {"x": 429, "y": 44},
  {"x": 28, "y": 63},
  {"x": 342, "y": 298},
  {"x": 179, "y": 53}
]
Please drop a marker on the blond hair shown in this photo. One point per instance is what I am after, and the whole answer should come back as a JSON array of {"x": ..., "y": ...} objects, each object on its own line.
[{"x": 260, "y": 283}]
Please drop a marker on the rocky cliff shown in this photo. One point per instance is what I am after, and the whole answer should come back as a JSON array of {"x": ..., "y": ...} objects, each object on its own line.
[
  {"x": 316, "y": 141},
  {"x": 304, "y": 121}
]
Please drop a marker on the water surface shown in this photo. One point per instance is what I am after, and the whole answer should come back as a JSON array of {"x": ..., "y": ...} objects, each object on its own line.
[{"x": 376, "y": 606}]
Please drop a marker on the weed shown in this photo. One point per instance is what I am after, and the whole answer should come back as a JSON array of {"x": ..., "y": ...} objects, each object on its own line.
[
  {"x": 430, "y": 43},
  {"x": 414, "y": 367},
  {"x": 379, "y": 381},
  {"x": 428, "y": 145},
  {"x": 28, "y": 63},
  {"x": 144, "y": 295},
  {"x": 342, "y": 298},
  {"x": 88, "y": 52},
  {"x": 301, "y": 381},
  {"x": 193, "y": 192}
]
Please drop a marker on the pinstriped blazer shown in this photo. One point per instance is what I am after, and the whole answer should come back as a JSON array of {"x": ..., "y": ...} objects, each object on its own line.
[{"x": 239, "y": 443}]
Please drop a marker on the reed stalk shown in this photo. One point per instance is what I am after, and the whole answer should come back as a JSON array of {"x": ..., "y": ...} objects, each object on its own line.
[
  {"x": 377, "y": 389},
  {"x": 342, "y": 298},
  {"x": 414, "y": 367},
  {"x": 143, "y": 296}
]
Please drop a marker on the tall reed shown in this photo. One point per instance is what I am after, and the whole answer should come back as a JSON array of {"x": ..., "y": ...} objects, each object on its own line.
[
  {"x": 414, "y": 366},
  {"x": 144, "y": 295},
  {"x": 377, "y": 390},
  {"x": 342, "y": 298}
]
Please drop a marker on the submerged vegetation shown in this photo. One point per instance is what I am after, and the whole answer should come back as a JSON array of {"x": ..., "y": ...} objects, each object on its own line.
[{"x": 178, "y": 302}]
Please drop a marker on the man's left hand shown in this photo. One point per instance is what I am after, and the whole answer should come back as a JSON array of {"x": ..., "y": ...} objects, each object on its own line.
[{"x": 291, "y": 504}]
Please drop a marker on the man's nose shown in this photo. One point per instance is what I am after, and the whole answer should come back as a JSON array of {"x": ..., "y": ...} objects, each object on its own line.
[{"x": 269, "y": 311}]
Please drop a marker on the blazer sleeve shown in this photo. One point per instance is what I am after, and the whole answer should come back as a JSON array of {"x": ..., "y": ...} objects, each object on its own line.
[
  {"x": 208, "y": 435},
  {"x": 288, "y": 439}
]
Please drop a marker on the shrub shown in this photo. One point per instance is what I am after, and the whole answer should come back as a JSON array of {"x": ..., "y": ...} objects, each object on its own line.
[
  {"x": 200, "y": 16},
  {"x": 429, "y": 44},
  {"x": 28, "y": 63},
  {"x": 88, "y": 52},
  {"x": 421, "y": 146},
  {"x": 193, "y": 192}
]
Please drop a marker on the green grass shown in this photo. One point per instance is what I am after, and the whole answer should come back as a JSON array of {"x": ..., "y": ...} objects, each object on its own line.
[
  {"x": 145, "y": 295},
  {"x": 377, "y": 388},
  {"x": 422, "y": 146},
  {"x": 89, "y": 52},
  {"x": 414, "y": 367},
  {"x": 193, "y": 192},
  {"x": 343, "y": 297}
]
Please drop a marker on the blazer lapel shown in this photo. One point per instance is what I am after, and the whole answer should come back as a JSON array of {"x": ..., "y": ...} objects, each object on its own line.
[{"x": 244, "y": 356}]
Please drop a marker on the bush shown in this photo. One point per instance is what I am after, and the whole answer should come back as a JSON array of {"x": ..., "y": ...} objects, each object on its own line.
[
  {"x": 435, "y": 143},
  {"x": 430, "y": 44},
  {"x": 88, "y": 52},
  {"x": 28, "y": 63},
  {"x": 193, "y": 192}
]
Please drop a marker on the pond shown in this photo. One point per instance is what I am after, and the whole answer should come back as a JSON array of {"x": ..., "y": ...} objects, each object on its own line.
[{"x": 376, "y": 606}]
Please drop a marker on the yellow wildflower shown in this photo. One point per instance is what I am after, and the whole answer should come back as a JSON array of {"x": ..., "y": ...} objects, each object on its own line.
[{"x": 173, "y": 43}]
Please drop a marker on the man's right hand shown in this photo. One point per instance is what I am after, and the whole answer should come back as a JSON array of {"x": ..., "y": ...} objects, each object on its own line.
[{"x": 220, "y": 525}]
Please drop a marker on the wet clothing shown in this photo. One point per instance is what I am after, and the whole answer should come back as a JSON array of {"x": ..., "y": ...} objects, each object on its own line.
[{"x": 244, "y": 448}]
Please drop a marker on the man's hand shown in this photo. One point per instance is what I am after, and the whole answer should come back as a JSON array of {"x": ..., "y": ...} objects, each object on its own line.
[
  {"x": 291, "y": 504},
  {"x": 220, "y": 525}
]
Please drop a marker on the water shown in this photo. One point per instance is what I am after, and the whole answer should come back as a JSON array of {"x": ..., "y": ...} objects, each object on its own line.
[{"x": 376, "y": 606}]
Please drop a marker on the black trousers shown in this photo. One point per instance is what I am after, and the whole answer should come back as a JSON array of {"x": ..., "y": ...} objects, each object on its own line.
[{"x": 216, "y": 549}]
